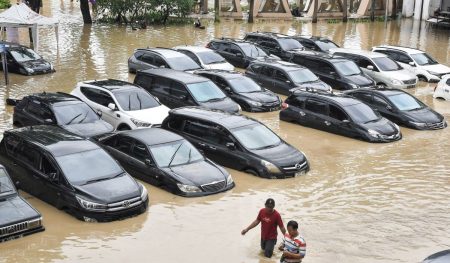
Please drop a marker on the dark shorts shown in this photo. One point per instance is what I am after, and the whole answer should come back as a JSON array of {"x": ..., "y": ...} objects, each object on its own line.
[{"x": 268, "y": 247}]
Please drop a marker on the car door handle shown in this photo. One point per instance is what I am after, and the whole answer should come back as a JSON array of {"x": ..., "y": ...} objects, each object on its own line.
[
  {"x": 327, "y": 123},
  {"x": 212, "y": 148},
  {"x": 201, "y": 144},
  {"x": 15, "y": 164}
]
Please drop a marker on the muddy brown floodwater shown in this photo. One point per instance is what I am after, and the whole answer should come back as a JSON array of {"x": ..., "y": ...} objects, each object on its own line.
[{"x": 361, "y": 202}]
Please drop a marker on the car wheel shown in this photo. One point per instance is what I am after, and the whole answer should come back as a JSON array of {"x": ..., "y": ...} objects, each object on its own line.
[
  {"x": 123, "y": 127},
  {"x": 422, "y": 78},
  {"x": 252, "y": 172}
]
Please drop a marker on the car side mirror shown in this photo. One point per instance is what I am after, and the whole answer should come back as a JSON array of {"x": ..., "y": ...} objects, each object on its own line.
[
  {"x": 48, "y": 121},
  {"x": 346, "y": 121},
  {"x": 99, "y": 113},
  {"x": 53, "y": 177},
  {"x": 230, "y": 146},
  {"x": 227, "y": 89},
  {"x": 412, "y": 64},
  {"x": 112, "y": 106},
  {"x": 162, "y": 66},
  {"x": 149, "y": 163},
  {"x": 389, "y": 108},
  {"x": 288, "y": 81},
  {"x": 370, "y": 67},
  {"x": 239, "y": 55},
  {"x": 182, "y": 97}
]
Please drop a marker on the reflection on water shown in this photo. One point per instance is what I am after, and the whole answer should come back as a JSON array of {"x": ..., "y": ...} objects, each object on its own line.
[{"x": 360, "y": 203}]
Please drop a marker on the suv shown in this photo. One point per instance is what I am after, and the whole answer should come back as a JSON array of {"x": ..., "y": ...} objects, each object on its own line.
[
  {"x": 281, "y": 77},
  {"x": 238, "y": 142},
  {"x": 337, "y": 114},
  {"x": 124, "y": 105},
  {"x": 238, "y": 52},
  {"x": 177, "y": 89},
  {"x": 279, "y": 45},
  {"x": 205, "y": 57},
  {"x": 243, "y": 90},
  {"x": 61, "y": 109},
  {"x": 23, "y": 60},
  {"x": 401, "y": 107},
  {"x": 417, "y": 61},
  {"x": 316, "y": 43},
  {"x": 147, "y": 58},
  {"x": 338, "y": 72},
  {"x": 71, "y": 173},
  {"x": 19, "y": 218},
  {"x": 382, "y": 69}
]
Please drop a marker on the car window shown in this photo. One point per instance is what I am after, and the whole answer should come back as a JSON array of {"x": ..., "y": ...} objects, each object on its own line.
[
  {"x": 311, "y": 64},
  {"x": 424, "y": 59},
  {"x": 325, "y": 67},
  {"x": 308, "y": 44},
  {"x": 316, "y": 107},
  {"x": 280, "y": 76},
  {"x": 144, "y": 81},
  {"x": 182, "y": 63},
  {"x": 296, "y": 102},
  {"x": 135, "y": 99},
  {"x": 267, "y": 71},
  {"x": 178, "y": 89},
  {"x": 192, "y": 55},
  {"x": 289, "y": 44},
  {"x": 74, "y": 113},
  {"x": 386, "y": 64},
  {"x": 269, "y": 43},
  {"x": 234, "y": 49},
  {"x": 39, "y": 110},
  {"x": 175, "y": 123},
  {"x": 222, "y": 83},
  {"x": 302, "y": 76},
  {"x": 209, "y": 57},
  {"x": 348, "y": 68},
  {"x": 361, "y": 113},
  {"x": 256, "y": 68},
  {"x": 364, "y": 63},
  {"x": 256, "y": 136},
  {"x": 12, "y": 144},
  {"x": 206, "y": 91},
  {"x": 379, "y": 101},
  {"x": 147, "y": 58},
  {"x": 98, "y": 96},
  {"x": 244, "y": 84},
  {"x": 160, "y": 62},
  {"x": 47, "y": 167},
  {"x": 140, "y": 152},
  {"x": 405, "y": 102},
  {"x": 175, "y": 153},
  {"x": 21, "y": 54},
  {"x": 6, "y": 186},
  {"x": 124, "y": 144},
  {"x": 252, "y": 50},
  {"x": 337, "y": 113},
  {"x": 364, "y": 97},
  {"x": 202, "y": 130},
  {"x": 161, "y": 84},
  {"x": 403, "y": 58},
  {"x": 28, "y": 155},
  {"x": 326, "y": 45}
]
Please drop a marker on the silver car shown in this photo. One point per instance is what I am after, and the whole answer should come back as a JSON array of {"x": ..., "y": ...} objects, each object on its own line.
[{"x": 381, "y": 68}]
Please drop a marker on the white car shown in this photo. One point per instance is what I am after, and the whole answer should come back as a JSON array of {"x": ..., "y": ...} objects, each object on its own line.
[
  {"x": 205, "y": 57},
  {"x": 381, "y": 68},
  {"x": 420, "y": 63},
  {"x": 442, "y": 90},
  {"x": 122, "y": 104}
]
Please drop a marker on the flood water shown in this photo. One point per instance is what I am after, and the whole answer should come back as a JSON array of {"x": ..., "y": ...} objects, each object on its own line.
[{"x": 361, "y": 202}]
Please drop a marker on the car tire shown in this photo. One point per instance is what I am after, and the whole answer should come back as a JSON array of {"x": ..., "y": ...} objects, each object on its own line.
[
  {"x": 422, "y": 78},
  {"x": 123, "y": 127},
  {"x": 252, "y": 172}
]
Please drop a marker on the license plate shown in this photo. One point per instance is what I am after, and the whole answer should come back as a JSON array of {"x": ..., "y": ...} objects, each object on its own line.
[
  {"x": 11, "y": 238},
  {"x": 299, "y": 173},
  {"x": 410, "y": 86}
]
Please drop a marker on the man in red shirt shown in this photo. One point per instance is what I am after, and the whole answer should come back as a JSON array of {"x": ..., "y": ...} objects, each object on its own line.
[{"x": 270, "y": 219}]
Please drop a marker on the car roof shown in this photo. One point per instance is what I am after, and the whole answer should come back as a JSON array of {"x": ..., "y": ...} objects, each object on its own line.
[
  {"x": 365, "y": 53},
  {"x": 339, "y": 99},
  {"x": 227, "y": 120},
  {"x": 321, "y": 55},
  {"x": 314, "y": 38},
  {"x": 400, "y": 48},
  {"x": 165, "y": 52},
  {"x": 194, "y": 48},
  {"x": 11, "y": 44},
  {"x": 383, "y": 91},
  {"x": 233, "y": 40},
  {"x": 175, "y": 75},
  {"x": 111, "y": 84},
  {"x": 54, "y": 139},
  {"x": 270, "y": 34},
  {"x": 226, "y": 74},
  {"x": 152, "y": 136},
  {"x": 287, "y": 66},
  {"x": 52, "y": 97}
]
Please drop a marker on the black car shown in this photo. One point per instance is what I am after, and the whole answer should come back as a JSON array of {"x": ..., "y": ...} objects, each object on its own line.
[
  {"x": 238, "y": 142},
  {"x": 18, "y": 218},
  {"x": 338, "y": 72},
  {"x": 178, "y": 89},
  {"x": 23, "y": 60},
  {"x": 316, "y": 43},
  {"x": 280, "y": 45},
  {"x": 167, "y": 160},
  {"x": 401, "y": 107},
  {"x": 146, "y": 58},
  {"x": 239, "y": 53},
  {"x": 71, "y": 173},
  {"x": 243, "y": 90},
  {"x": 338, "y": 114},
  {"x": 281, "y": 77},
  {"x": 439, "y": 257},
  {"x": 61, "y": 109}
]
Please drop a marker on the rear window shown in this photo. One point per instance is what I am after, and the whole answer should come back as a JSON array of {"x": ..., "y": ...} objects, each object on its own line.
[{"x": 386, "y": 64}]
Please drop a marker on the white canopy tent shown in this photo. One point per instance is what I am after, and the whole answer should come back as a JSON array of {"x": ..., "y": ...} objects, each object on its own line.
[{"x": 21, "y": 16}]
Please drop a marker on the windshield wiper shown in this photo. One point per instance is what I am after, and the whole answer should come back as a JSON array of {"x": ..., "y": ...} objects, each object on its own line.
[
  {"x": 73, "y": 119},
  {"x": 102, "y": 179},
  {"x": 174, "y": 154},
  {"x": 85, "y": 116},
  {"x": 140, "y": 102},
  {"x": 215, "y": 99},
  {"x": 371, "y": 121}
]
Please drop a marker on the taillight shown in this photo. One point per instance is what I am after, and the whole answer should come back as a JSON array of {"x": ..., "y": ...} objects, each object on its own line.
[{"x": 284, "y": 105}]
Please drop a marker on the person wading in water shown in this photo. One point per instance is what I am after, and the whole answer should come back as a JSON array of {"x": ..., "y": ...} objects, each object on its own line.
[
  {"x": 270, "y": 219},
  {"x": 293, "y": 245}
]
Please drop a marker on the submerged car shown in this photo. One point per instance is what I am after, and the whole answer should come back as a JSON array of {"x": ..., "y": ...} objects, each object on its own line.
[
  {"x": 167, "y": 160},
  {"x": 401, "y": 107},
  {"x": 61, "y": 109},
  {"x": 442, "y": 90},
  {"x": 338, "y": 114},
  {"x": 243, "y": 90},
  {"x": 439, "y": 257},
  {"x": 122, "y": 104},
  {"x": 280, "y": 45},
  {"x": 315, "y": 43},
  {"x": 238, "y": 142},
  {"x": 205, "y": 57},
  {"x": 71, "y": 173},
  {"x": 23, "y": 60},
  {"x": 18, "y": 217}
]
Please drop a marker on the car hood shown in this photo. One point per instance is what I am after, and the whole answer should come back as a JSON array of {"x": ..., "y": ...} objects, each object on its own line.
[
  {"x": 320, "y": 85},
  {"x": 153, "y": 115},
  {"x": 402, "y": 74},
  {"x": 282, "y": 155},
  {"x": 262, "y": 96},
  {"x": 36, "y": 64},
  {"x": 89, "y": 129},
  {"x": 438, "y": 68},
  {"x": 360, "y": 80},
  {"x": 226, "y": 104},
  {"x": 14, "y": 210},
  {"x": 197, "y": 173},
  {"x": 382, "y": 126},
  {"x": 222, "y": 66},
  {"x": 425, "y": 115},
  {"x": 110, "y": 191}
]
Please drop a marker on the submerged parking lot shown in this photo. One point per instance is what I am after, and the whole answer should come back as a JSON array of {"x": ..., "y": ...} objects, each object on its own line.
[{"x": 360, "y": 202}]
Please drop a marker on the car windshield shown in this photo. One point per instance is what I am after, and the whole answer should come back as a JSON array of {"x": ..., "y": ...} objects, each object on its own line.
[
  {"x": 74, "y": 113},
  {"x": 253, "y": 51},
  {"x": 244, "y": 85},
  {"x": 210, "y": 57},
  {"x": 423, "y": 59},
  {"x": 289, "y": 44},
  {"x": 182, "y": 63},
  {"x": 386, "y": 64},
  {"x": 6, "y": 186},
  {"x": 256, "y": 137},
  {"x": 24, "y": 54},
  {"x": 361, "y": 113},
  {"x": 302, "y": 76},
  {"x": 206, "y": 91},
  {"x": 348, "y": 68},
  {"x": 405, "y": 102},
  {"x": 326, "y": 45},
  {"x": 88, "y": 166},
  {"x": 135, "y": 99},
  {"x": 175, "y": 153}
]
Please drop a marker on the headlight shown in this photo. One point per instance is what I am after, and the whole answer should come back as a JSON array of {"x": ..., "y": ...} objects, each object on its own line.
[
  {"x": 229, "y": 179},
  {"x": 188, "y": 188},
  {"x": 239, "y": 108},
  {"x": 418, "y": 124},
  {"x": 139, "y": 123},
  {"x": 91, "y": 205},
  {"x": 35, "y": 223},
  {"x": 254, "y": 103},
  {"x": 144, "y": 194},
  {"x": 374, "y": 134},
  {"x": 271, "y": 168},
  {"x": 51, "y": 67},
  {"x": 354, "y": 86},
  {"x": 396, "y": 127},
  {"x": 397, "y": 82}
]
